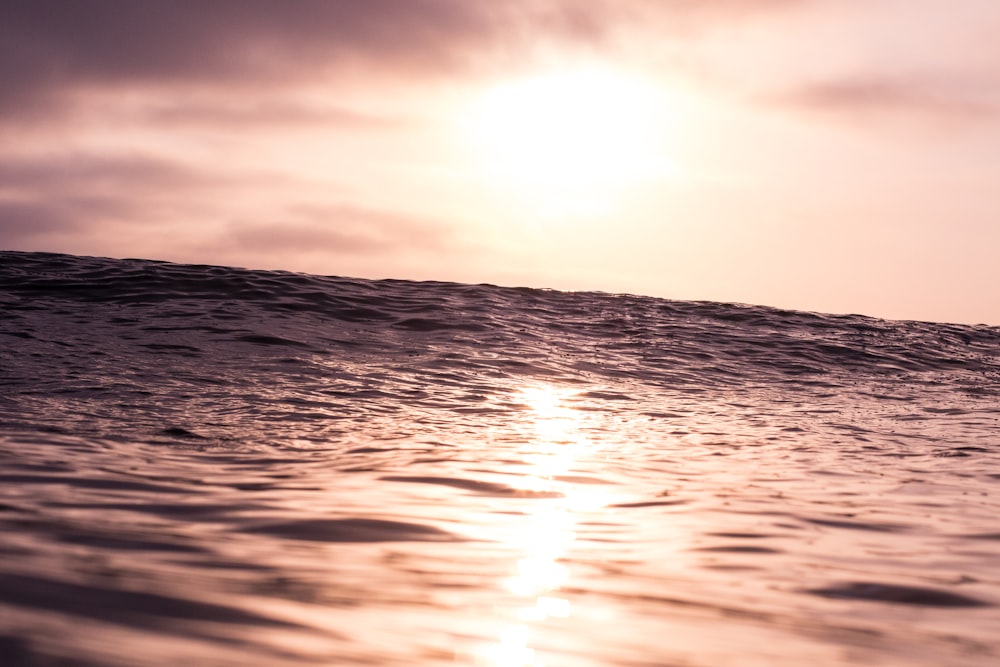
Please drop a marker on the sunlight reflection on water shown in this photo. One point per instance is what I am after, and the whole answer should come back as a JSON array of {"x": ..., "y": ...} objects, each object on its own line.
[{"x": 548, "y": 531}]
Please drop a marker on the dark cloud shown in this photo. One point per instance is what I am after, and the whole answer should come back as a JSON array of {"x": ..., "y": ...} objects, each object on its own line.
[
  {"x": 48, "y": 44},
  {"x": 50, "y": 47},
  {"x": 340, "y": 229}
]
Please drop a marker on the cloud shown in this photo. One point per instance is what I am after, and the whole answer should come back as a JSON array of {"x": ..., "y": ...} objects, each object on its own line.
[
  {"x": 51, "y": 47},
  {"x": 286, "y": 115},
  {"x": 125, "y": 202},
  {"x": 939, "y": 100},
  {"x": 80, "y": 173},
  {"x": 144, "y": 203},
  {"x": 45, "y": 198},
  {"x": 100, "y": 100},
  {"x": 47, "y": 45},
  {"x": 30, "y": 223},
  {"x": 21, "y": 222},
  {"x": 339, "y": 229}
]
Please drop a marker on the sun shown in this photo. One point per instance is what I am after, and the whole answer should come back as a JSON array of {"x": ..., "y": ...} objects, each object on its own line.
[{"x": 573, "y": 140}]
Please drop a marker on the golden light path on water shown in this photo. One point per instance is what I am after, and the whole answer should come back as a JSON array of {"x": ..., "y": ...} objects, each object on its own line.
[{"x": 548, "y": 532}]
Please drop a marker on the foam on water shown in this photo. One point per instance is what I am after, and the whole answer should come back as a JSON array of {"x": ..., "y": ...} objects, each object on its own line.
[{"x": 235, "y": 467}]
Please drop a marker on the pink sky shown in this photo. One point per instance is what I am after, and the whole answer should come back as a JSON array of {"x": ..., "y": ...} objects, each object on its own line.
[{"x": 822, "y": 155}]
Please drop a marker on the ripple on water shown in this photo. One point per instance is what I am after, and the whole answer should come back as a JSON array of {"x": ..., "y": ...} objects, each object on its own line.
[
  {"x": 352, "y": 530},
  {"x": 897, "y": 594}
]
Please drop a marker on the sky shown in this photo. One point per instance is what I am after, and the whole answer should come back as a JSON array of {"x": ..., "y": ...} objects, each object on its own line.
[{"x": 840, "y": 156}]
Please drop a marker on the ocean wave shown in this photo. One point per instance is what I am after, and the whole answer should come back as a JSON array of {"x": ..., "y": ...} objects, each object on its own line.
[{"x": 226, "y": 466}]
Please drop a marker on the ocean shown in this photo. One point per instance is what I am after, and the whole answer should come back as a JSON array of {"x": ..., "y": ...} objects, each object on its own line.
[{"x": 223, "y": 467}]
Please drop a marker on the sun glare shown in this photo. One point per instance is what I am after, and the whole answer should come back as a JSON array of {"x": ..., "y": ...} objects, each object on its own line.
[
  {"x": 547, "y": 531},
  {"x": 574, "y": 140}
]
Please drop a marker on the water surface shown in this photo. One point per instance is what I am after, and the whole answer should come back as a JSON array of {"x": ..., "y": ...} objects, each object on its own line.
[{"x": 232, "y": 467}]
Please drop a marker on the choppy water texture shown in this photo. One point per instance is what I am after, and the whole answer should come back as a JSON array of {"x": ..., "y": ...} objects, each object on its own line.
[{"x": 213, "y": 466}]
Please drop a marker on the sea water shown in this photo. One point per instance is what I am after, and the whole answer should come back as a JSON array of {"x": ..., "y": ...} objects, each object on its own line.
[{"x": 213, "y": 466}]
